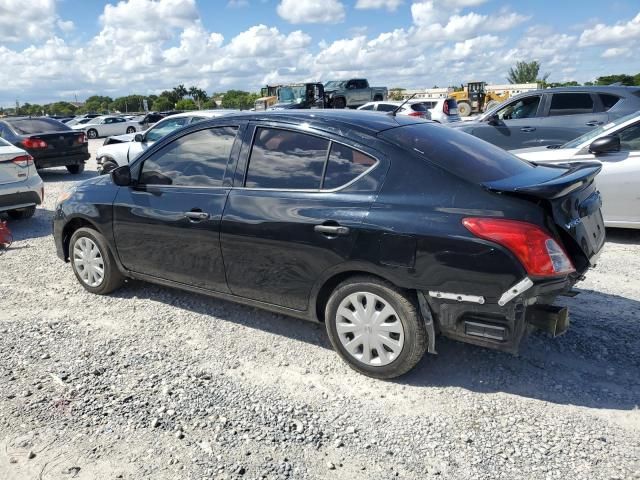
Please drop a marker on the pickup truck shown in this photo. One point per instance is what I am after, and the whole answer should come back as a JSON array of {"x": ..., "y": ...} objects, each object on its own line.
[{"x": 352, "y": 93}]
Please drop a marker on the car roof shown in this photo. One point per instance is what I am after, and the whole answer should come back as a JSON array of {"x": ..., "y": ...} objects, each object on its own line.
[{"x": 365, "y": 122}]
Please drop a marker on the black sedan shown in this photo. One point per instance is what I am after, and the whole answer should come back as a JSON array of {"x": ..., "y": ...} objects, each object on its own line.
[
  {"x": 51, "y": 143},
  {"x": 387, "y": 229}
]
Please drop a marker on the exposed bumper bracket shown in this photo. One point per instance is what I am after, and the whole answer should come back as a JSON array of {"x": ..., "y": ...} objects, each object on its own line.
[
  {"x": 459, "y": 297},
  {"x": 519, "y": 288}
]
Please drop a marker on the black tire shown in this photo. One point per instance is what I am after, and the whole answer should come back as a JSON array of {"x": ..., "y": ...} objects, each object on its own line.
[
  {"x": 107, "y": 166},
  {"x": 92, "y": 133},
  {"x": 339, "y": 103},
  {"x": 131, "y": 129},
  {"x": 464, "y": 109},
  {"x": 22, "y": 213},
  {"x": 415, "y": 334},
  {"x": 76, "y": 169},
  {"x": 112, "y": 278}
]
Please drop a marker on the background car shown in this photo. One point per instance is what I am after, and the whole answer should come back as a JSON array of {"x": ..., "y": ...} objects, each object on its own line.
[
  {"x": 21, "y": 188},
  {"x": 122, "y": 149},
  {"x": 387, "y": 229},
  {"x": 411, "y": 109},
  {"x": 617, "y": 147},
  {"x": 51, "y": 143},
  {"x": 552, "y": 116},
  {"x": 442, "y": 110},
  {"x": 108, "y": 125}
]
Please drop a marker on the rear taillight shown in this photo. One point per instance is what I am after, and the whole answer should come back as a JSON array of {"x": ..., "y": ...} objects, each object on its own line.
[
  {"x": 23, "y": 160},
  {"x": 416, "y": 114},
  {"x": 34, "y": 143},
  {"x": 81, "y": 138},
  {"x": 445, "y": 107},
  {"x": 536, "y": 249}
]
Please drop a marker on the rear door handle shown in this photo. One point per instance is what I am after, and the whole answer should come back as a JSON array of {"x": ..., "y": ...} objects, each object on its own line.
[
  {"x": 528, "y": 129},
  {"x": 196, "y": 216},
  {"x": 593, "y": 123},
  {"x": 331, "y": 229}
]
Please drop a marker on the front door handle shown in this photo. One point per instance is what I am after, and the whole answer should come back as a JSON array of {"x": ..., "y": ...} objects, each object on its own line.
[
  {"x": 528, "y": 129},
  {"x": 196, "y": 216},
  {"x": 331, "y": 229},
  {"x": 593, "y": 123}
]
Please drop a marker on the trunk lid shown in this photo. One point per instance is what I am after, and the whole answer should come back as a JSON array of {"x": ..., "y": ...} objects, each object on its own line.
[
  {"x": 59, "y": 144},
  {"x": 570, "y": 193},
  {"x": 10, "y": 171}
]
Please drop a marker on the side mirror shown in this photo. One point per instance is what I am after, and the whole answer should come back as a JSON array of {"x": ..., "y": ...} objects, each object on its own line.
[
  {"x": 610, "y": 143},
  {"x": 121, "y": 176},
  {"x": 493, "y": 120},
  {"x": 138, "y": 137}
]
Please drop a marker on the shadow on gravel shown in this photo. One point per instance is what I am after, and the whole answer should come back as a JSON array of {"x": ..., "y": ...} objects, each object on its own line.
[
  {"x": 35, "y": 227},
  {"x": 56, "y": 175},
  {"x": 623, "y": 235},
  {"x": 595, "y": 364}
]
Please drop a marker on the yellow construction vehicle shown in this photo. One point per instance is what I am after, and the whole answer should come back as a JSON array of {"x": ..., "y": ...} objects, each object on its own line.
[{"x": 475, "y": 99}]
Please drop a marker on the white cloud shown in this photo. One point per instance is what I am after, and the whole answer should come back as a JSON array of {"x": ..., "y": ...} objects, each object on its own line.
[
  {"x": 390, "y": 5},
  {"x": 311, "y": 11},
  {"x": 620, "y": 33},
  {"x": 27, "y": 22}
]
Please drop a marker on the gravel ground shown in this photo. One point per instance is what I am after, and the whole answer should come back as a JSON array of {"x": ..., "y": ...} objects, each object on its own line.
[{"x": 152, "y": 382}]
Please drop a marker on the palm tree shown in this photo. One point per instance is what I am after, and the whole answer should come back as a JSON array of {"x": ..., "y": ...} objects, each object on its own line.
[{"x": 526, "y": 72}]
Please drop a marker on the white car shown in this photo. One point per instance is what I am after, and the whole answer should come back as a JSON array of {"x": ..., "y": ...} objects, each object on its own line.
[
  {"x": 616, "y": 146},
  {"x": 444, "y": 110},
  {"x": 117, "y": 154},
  {"x": 108, "y": 125},
  {"x": 21, "y": 188}
]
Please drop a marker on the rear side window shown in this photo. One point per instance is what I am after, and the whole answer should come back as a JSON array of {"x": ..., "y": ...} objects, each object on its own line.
[
  {"x": 27, "y": 126},
  {"x": 570, "y": 104},
  {"x": 286, "y": 160},
  {"x": 367, "y": 107},
  {"x": 345, "y": 164},
  {"x": 458, "y": 152},
  {"x": 419, "y": 107},
  {"x": 608, "y": 100},
  {"x": 385, "y": 107},
  {"x": 198, "y": 159}
]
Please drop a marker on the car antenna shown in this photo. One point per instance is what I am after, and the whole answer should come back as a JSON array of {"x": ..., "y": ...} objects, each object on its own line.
[{"x": 394, "y": 112}]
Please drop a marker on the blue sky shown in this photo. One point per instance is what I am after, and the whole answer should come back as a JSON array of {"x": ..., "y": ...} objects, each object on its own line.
[{"x": 60, "y": 49}]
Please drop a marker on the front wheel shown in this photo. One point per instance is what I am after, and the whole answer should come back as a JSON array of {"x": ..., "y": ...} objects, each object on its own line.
[
  {"x": 131, "y": 130},
  {"x": 107, "y": 166},
  {"x": 76, "y": 169},
  {"x": 375, "y": 327},
  {"x": 339, "y": 103},
  {"x": 92, "y": 262}
]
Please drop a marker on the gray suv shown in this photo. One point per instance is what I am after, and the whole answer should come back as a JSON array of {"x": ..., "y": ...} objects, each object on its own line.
[{"x": 552, "y": 116}]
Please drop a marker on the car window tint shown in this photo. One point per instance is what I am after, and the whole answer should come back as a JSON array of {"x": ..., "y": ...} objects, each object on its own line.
[
  {"x": 344, "y": 165},
  {"x": 630, "y": 138},
  {"x": 608, "y": 100},
  {"x": 198, "y": 159},
  {"x": 419, "y": 107},
  {"x": 385, "y": 107},
  {"x": 526, "y": 107},
  {"x": 26, "y": 126},
  {"x": 286, "y": 159},
  {"x": 462, "y": 154},
  {"x": 367, "y": 107},
  {"x": 570, "y": 104},
  {"x": 197, "y": 119},
  {"x": 161, "y": 129}
]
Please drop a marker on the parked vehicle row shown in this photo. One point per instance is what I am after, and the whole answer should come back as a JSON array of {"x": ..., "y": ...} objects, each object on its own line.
[
  {"x": 444, "y": 110},
  {"x": 364, "y": 222}
]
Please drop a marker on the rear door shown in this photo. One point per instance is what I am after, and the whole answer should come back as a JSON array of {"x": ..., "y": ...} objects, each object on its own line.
[
  {"x": 517, "y": 125},
  {"x": 168, "y": 225},
  {"x": 297, "y": 209},
  {"x": 568, "y": 115}
]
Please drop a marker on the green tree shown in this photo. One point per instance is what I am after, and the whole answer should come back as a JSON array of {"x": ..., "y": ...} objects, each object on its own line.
[
  {"x": 210, "y": 104},
  {"x": 622, "y": 79},
  {"x": 129, "y": 103},
  {"x": 239, "y": 99},
  {"x": 162, "y": 104},
  {"x": 97, "y": 103},
  {"x": 180, "y": 92},
  {"x": 396, "y": 93},
  {"x": 186, "y": 104},
  {"x": 526, "y": 72},
  {"x": 61, "y": 108},
  {"x": 199, "y": 96}
]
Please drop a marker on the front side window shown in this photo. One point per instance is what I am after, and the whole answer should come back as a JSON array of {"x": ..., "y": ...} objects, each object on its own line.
[
  {"x": 526, "y": 107},
  {"x": 345, "y": 164},
  {"x": 385, "y": 107},
  {"x": 198, "y": 159},
  {"x": 164, "y": 128},
  {"x": 367, "y": 107},
  {"x": 287, "y": 160},
  {"x": 570, "y": 104}
]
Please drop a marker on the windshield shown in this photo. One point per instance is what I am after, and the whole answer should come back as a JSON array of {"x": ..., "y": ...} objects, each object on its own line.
[
  {"x": 27, "y": 126},
  {"x": 596, "y": 132},
  {"x": 164, "y": 128},
  {"x": 334, "y": 84},
  {"x": 291, "y": 94}
]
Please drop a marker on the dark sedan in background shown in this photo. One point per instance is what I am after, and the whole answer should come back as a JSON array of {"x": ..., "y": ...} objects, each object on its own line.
[
  {"x": 387, "y": 229},
  {"x": 552, "y": 116},
  {"x": 51, "y": 143}
]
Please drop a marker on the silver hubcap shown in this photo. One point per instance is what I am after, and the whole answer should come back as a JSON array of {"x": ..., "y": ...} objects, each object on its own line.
[
  {"x": 88, "y": 261},
  {"x": 369, "y": 329}
]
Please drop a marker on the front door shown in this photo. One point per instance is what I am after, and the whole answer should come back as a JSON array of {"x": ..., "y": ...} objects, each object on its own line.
[
  {"x": 168, "y": 225},
  {"x": 283, "y": 226}
]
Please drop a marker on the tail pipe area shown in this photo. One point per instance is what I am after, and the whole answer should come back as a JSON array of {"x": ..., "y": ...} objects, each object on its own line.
[{"x": 549, "y": 318}]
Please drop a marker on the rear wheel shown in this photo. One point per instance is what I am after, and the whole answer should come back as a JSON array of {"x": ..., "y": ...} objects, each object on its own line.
[
  {"x": 339, "y": 103},
  {"x": 22, "y": 213},
  {"x": 76, "y": 169},
  {"x": 464, "y": 109},
  {"x": 92, "y": 262},
  {"x": 131, "y": 130},
  {"x": 375, "y": 327},
  {"x": 92, "y": 133}
]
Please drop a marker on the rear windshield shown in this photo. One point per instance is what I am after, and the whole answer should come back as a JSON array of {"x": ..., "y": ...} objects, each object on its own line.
[
  {"x": 419, "y": 107},
  {"x": 26, "y": 126},
  {"x": 458, "y": 152}
]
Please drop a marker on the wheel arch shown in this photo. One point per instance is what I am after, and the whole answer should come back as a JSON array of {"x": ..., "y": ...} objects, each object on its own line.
[{"x": 71, "y": 226}]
